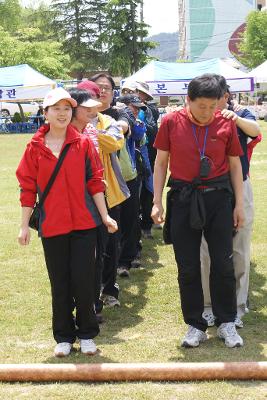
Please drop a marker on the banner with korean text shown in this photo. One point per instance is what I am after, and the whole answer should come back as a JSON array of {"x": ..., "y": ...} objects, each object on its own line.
[
  {"x": 20, "y": 93},
  {"x": 174, "y": 88}
]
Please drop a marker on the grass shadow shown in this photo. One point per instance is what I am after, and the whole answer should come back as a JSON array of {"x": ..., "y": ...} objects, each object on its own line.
[
  {"x": 132, "y": 294},
  {"x": 253, "y": 333},
  {"x": 257, "y": 289}
]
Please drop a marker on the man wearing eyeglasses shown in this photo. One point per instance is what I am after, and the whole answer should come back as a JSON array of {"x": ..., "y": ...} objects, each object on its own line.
[
  {"x": 129, "y": 209},
  {"x": 106, "y": 85}
]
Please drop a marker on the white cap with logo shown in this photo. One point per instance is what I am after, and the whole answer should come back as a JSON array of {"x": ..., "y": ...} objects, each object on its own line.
[{"x": 56, "y": 95}]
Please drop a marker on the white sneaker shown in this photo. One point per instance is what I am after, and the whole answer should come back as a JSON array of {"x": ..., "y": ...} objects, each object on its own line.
[
  {"x": 193, "y": 337},
  {"x": 209, "y": 317},
  {"x": 62, "y": 349},
  {"x": 136, "y": 263},
  {"x": 88, "y": 347},
  {"x": 238, "y": 322},
  {"x": 227, "y": 331},
  {"x": 123, "y": 272},
  {"x": 110, "y": 301}
]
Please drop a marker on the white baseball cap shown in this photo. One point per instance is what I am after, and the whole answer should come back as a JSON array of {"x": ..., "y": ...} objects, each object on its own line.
[
  {"x": 56, "y": 95},
  {"x": 144, "y": 87},
  {"x": 129, "y": 85},
  {"x": 90, "y": 103}
]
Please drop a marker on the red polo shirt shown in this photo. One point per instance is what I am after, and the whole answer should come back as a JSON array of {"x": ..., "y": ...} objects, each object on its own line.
[{"x": 176, "y": 135}]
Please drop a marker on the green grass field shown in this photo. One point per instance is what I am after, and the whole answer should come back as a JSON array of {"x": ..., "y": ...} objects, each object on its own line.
[{"x": 148, "y": 327}]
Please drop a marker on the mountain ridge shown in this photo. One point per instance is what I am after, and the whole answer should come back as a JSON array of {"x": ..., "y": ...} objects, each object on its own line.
[{"x": 168, "y": 46}]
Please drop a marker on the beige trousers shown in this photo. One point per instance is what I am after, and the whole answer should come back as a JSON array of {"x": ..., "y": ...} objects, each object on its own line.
[{"x": 241, "y": 256}]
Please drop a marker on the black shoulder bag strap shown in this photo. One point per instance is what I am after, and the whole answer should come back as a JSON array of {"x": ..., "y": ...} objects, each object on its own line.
[{"x": 54, "y": 174}]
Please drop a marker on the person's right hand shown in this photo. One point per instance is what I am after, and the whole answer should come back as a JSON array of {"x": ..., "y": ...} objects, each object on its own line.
[
  {"x": 157, "y": 214},
  {"x": 236, "y": 106},
  {"x": 229, "y": 114},
  {"x": 24, "y": 235}
]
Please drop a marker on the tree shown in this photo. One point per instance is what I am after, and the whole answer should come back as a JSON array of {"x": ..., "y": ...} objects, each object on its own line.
[
  {"x": 99, "y": 21},
  {"x": 10, "y": 15},
  {"x": 253, "y": 45},
  {"x": 39, "y": 16},
  {"x": 46, "y": 56},
  {"x": 79, "y": 23},
  {"x": 123, "y": 37}
]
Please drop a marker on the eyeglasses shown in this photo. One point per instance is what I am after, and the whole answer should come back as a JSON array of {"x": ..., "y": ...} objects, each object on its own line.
[
  {"x": 105, "y": 88},
  {"x": 127, "y": 91}
]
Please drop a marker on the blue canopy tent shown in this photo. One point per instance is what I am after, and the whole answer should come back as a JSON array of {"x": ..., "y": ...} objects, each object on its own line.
[
  {"x": 21, "y": 83},
  {"x": 171, "y": 79}
]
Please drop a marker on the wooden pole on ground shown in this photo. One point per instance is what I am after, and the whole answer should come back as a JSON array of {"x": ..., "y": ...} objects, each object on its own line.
[{"x": 133, "y": 372}]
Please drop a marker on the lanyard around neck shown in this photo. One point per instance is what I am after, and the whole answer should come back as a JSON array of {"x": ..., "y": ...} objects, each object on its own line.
[{"x": 201, "y": 151}]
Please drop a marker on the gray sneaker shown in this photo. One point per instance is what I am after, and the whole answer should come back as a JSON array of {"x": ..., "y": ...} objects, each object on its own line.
[
  {"x": 227, "y": 331},
  {"x": 88, "y": 347},
  {"x": 109, "y": 301},
  {"x": 62, "y": 349},
  {"x": 123, "y": 272},
  {"x": 157, "y": 226},
  {"x": 136, "y": 263},
  {"x": 146, "y": 234},
  {"x": 193, "y": 337},
  {"x": 238, "y": 322},
  {"x": 209, "y": 317}
]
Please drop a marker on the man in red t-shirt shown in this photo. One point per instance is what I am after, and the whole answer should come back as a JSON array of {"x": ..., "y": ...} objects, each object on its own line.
[{"x": 202, "y": 150}]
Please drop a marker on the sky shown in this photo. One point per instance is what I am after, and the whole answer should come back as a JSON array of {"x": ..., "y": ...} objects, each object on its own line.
[{"x": 162, "y": 15}]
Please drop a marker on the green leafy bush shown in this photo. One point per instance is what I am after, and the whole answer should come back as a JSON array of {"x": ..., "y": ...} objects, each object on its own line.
[{"x": 16, "y": 117}]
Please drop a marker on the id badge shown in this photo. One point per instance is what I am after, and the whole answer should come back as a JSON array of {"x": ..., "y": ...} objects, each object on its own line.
[{"x": 204, "y": 167}]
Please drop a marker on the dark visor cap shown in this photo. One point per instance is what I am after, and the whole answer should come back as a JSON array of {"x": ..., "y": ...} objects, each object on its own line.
[{"x": 132, "y": 99}]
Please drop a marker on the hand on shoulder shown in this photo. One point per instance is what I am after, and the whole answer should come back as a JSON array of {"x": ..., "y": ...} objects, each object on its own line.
[{"x": 229, "y": 114}]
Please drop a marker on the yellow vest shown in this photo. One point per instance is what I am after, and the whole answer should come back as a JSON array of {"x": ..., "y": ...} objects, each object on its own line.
[{"x": 107, "y": 145}]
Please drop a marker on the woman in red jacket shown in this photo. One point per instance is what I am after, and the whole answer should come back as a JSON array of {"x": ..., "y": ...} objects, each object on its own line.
[{"x": 71, "y": 212}]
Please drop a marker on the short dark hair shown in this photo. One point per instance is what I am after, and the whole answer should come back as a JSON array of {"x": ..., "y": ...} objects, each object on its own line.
[
  {"x": 206, "y": 85},
  {"x": 80, "y": 95},
  {"x": 223, "y": 84},
  {"x": 104, "y": 75},
  {"x": 225, "y": 88}
]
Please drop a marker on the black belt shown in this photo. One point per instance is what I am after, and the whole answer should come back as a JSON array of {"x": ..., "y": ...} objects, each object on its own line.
[{"x": 206, "y": 190}]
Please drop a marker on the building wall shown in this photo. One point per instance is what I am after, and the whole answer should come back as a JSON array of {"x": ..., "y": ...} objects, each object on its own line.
[
  {"x": 210, "y": 25},
  {"x": 261, "y": 4}
]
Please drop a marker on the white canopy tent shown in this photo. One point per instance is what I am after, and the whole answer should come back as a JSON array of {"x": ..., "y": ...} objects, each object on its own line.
[
  {"x": 260, "y": 72},
  {"x": 170, "y": 79},
  {"x": 22, "y": 83},
  {"x": 260, "y": 75}
]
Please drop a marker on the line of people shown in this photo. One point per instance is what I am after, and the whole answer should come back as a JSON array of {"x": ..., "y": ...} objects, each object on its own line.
[
  {"x": 101, "y": 203},
  {"x": 108, "y": 152}
]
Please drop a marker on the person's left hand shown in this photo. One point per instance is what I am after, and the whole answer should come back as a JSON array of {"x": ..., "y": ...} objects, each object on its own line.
[
  {"x": 157, "y": 213},
  {"x": 110, "y": 224},
  {"x": 229, "y": 114}
]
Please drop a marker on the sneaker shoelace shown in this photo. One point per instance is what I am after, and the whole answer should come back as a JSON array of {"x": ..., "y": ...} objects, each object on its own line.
[
  {"x": 209, "y": 317},
  {"x": 192, "y": 331},
  {"x": 231, "y": 330}
]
